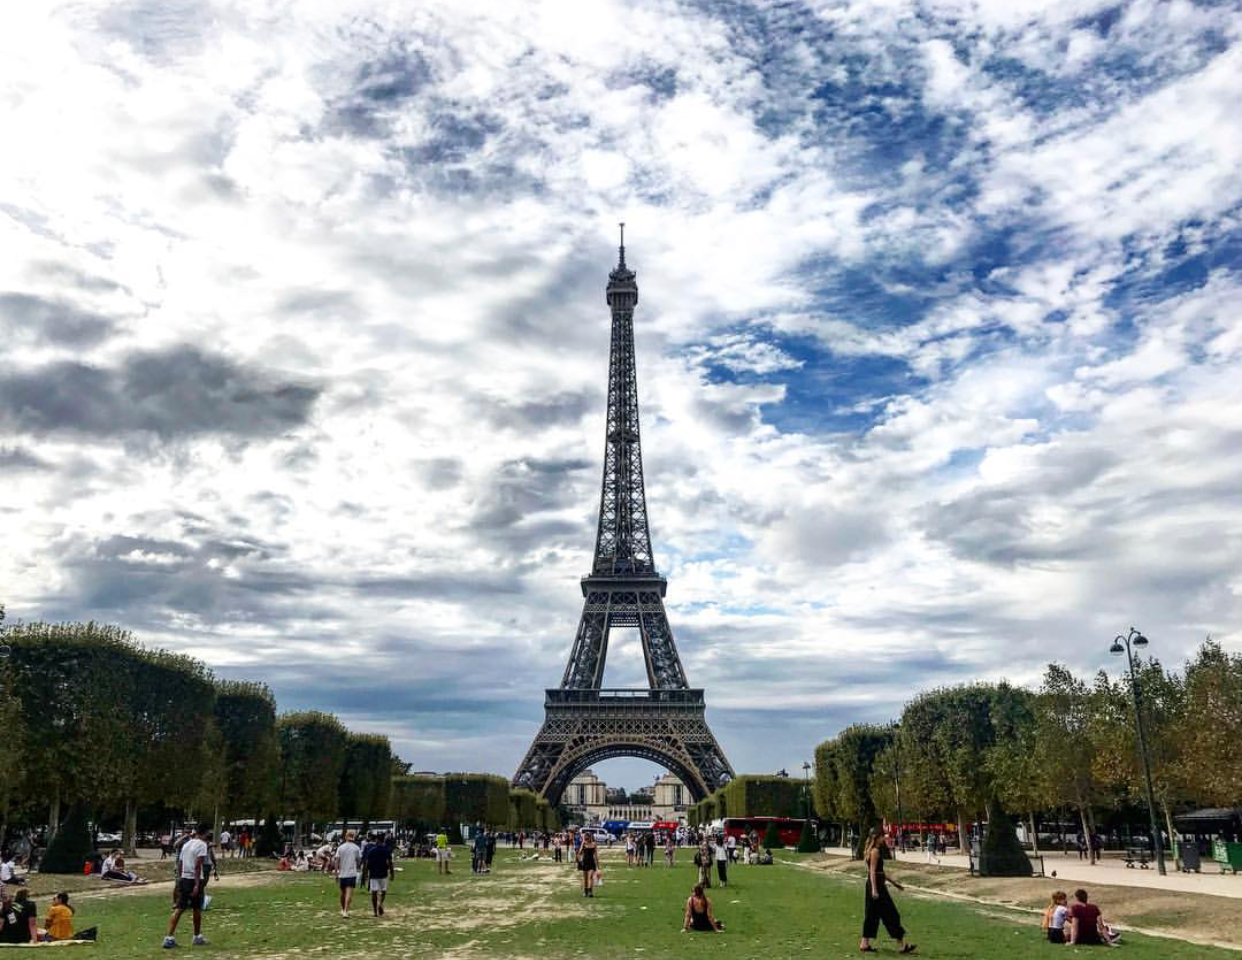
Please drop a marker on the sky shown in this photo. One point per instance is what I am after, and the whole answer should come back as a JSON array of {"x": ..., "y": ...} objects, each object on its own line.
[{"x": 304, "y": 344}]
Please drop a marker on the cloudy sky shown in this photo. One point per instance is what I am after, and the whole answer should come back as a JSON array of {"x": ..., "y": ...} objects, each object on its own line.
[{"x": 305, "y": 343}]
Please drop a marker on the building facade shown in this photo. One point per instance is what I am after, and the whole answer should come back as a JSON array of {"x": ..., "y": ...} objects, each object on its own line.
[{"x": 590, "y": 798}]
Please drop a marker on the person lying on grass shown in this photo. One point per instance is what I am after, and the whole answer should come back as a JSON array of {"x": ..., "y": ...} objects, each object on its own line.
[{"x": 699, "y": 913}]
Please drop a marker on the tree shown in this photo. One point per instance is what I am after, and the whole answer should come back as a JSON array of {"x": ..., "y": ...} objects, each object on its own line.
[
  {"x": 852, "y": 755},
  {"x": 312, "y": 758},
  {"x": 1012, "y": 761},
  {"x": 924, "y": 777},
  {"x": 14, "y": 735},
  {"x": 1064, "y": 746},
  {"x": 366, "y": 783},
  {"x": 1212, "y": 725},
  {"x": 169, "y": 705},
  {"x": 72, "y": 677},
  {"x": 772, "y": 837},
  {"x": 245, "y": 715}
]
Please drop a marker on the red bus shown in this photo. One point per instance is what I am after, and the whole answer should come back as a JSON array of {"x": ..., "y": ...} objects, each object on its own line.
[{"x": 789, "y": 829}]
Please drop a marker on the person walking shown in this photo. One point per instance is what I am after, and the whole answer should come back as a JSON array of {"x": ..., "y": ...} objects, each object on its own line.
[
  {"x": 478, "y": 850},
  {"x": 651, "y": 848},
  {"x": 588, "y": 863},
  {"x": 442, "y": 852},
  {"x": 193, "y": 862},
  {"x": 348, "y": 862},
  {"x": 879, "y": 907},
  {"x": 722, "y": 861},
  {"x": 703, "y": 858},
  {"x": 379, "y": 871}
]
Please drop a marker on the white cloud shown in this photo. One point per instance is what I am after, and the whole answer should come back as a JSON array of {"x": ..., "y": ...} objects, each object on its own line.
[{"x": 411, "y": 211}]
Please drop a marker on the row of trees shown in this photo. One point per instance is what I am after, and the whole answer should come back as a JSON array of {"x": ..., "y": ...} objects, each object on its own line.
[
  {"x": 92, "y": 718},
  {"x": 426, "y": 802},
  {"x": 980, "y": 751}
]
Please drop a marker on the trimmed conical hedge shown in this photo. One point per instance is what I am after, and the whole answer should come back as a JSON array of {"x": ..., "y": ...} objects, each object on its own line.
[
  {"x": 772, "y": 839},
  {"x": 808, "y": 842},
  {"x": 269, "y": 842},
  {"x": 1001, "y": 854},
  {"x": 71, "y": 847}
]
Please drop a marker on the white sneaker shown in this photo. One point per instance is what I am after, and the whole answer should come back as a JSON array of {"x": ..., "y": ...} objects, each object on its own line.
[
  {"x": 200, "y": 940},
  {"x": 170, "y": 942}
]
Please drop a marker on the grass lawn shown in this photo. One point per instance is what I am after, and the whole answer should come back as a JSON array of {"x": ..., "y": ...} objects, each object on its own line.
[{"x": 527, "y": 910}]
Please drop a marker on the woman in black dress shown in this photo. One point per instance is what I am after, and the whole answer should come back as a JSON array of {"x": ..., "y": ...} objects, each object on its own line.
[
  {"x": 879, "y": 902},
  {"x": 588, "y": 863},
  {"x": 699, "y": 913}
]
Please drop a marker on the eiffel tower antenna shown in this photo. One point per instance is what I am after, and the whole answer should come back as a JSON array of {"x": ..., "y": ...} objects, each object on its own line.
[{"x": 585, "y": 723}]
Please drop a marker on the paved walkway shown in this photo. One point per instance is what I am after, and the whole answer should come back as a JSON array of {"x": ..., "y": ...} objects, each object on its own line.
[{"x": 1107, "y": 871}]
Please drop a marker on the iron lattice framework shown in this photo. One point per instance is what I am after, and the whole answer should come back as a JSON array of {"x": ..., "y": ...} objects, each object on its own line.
[{"x": 584, "y": 723}]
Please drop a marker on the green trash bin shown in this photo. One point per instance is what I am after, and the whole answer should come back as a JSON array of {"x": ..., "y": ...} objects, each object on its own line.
[{"x": 1228, "y": 855}]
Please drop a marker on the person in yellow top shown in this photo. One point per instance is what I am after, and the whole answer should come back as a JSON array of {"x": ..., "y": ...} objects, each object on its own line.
[
  {"x": 442, "y": 853},
  {"x": 59, "y": 920}
]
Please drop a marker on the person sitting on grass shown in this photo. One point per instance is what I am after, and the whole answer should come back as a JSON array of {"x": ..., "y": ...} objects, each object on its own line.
[
  {"x": 8, "y": 871},
  {"x": 18, "y": 917},
  {"x": 1087, "y": 926},
  {"x": 114, "y": 869},
  {"x": 699, "y": 913},
  {"x": 1055, "y": 917},
  {"x": 59, "y": 922}
]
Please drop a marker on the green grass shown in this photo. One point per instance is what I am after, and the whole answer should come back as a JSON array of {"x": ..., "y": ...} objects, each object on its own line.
[{"x": 526, "y": 910}]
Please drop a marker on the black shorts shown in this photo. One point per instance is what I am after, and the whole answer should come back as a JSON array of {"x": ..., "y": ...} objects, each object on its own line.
[
  {"x": 347, "y": 882},
  {"x": 186, "y": 898}
]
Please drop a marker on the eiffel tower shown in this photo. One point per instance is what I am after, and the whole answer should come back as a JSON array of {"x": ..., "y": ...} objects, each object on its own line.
[{"x": 584, "y": 723}]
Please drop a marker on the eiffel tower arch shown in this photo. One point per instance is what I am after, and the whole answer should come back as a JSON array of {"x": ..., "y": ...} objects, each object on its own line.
[{"x": 664, "y": 722}]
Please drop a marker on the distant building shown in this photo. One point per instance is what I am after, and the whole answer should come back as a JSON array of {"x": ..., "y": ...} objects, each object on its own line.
[{"x": 666, "y": 799}]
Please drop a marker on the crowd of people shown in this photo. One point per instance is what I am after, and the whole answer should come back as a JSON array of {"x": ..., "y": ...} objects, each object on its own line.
[{"x": 370, "y": 863}]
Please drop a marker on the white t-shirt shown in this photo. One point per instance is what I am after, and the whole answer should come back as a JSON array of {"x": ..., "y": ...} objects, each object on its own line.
[
  {"x": 191, "y": 850},
  {"x": 722, "y": 852},
  {"x": 731, "y": 842},
  {"x": 1058, "y": 918},
  {"x": 6, "y": 871},
  {"x": 225, "y": 837},
  {"x": 348, "y": 859}
]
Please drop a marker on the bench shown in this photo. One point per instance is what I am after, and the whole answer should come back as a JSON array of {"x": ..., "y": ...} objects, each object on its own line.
[{"x": 1137, "y": 855}]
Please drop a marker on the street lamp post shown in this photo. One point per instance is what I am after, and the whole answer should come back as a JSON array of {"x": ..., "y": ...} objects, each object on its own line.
[
  {"x": 901, "y": 820},
  {"x": 1125, "y": 645},
  {"x": 806, "y": 785}
]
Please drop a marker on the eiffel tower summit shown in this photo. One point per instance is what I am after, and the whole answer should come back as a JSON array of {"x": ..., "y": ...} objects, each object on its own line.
[{"x": 663, "y": 722}]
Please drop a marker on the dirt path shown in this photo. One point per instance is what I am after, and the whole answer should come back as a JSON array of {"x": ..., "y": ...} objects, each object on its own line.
[
  {"x": 253, "y": 878},
  {"x": 1188, "y": 917}
]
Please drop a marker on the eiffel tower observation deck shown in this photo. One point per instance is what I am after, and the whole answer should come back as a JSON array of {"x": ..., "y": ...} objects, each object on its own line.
[{"x": 584, "y": 722}]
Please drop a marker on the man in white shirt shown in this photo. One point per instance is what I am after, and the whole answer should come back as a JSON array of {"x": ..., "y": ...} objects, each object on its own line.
[
  {"x": 722, "y": 861},
  {"x": 192, "y": 866},
  {"x": 348, "y": 864},
  {"x": 226, "y": 842}
]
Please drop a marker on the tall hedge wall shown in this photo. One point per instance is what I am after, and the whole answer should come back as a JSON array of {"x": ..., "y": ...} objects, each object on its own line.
[
  {"x": 755, "y": 796},
  {"x": 476, "y": 798},
  {"x": 523, "y": 810},
  {"x": 419, "y": 798}
]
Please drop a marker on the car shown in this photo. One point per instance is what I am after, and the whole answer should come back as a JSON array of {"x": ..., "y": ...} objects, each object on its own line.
[
  {"x": 600, "y": 835},
  {"x": 106, "y": 838}
]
